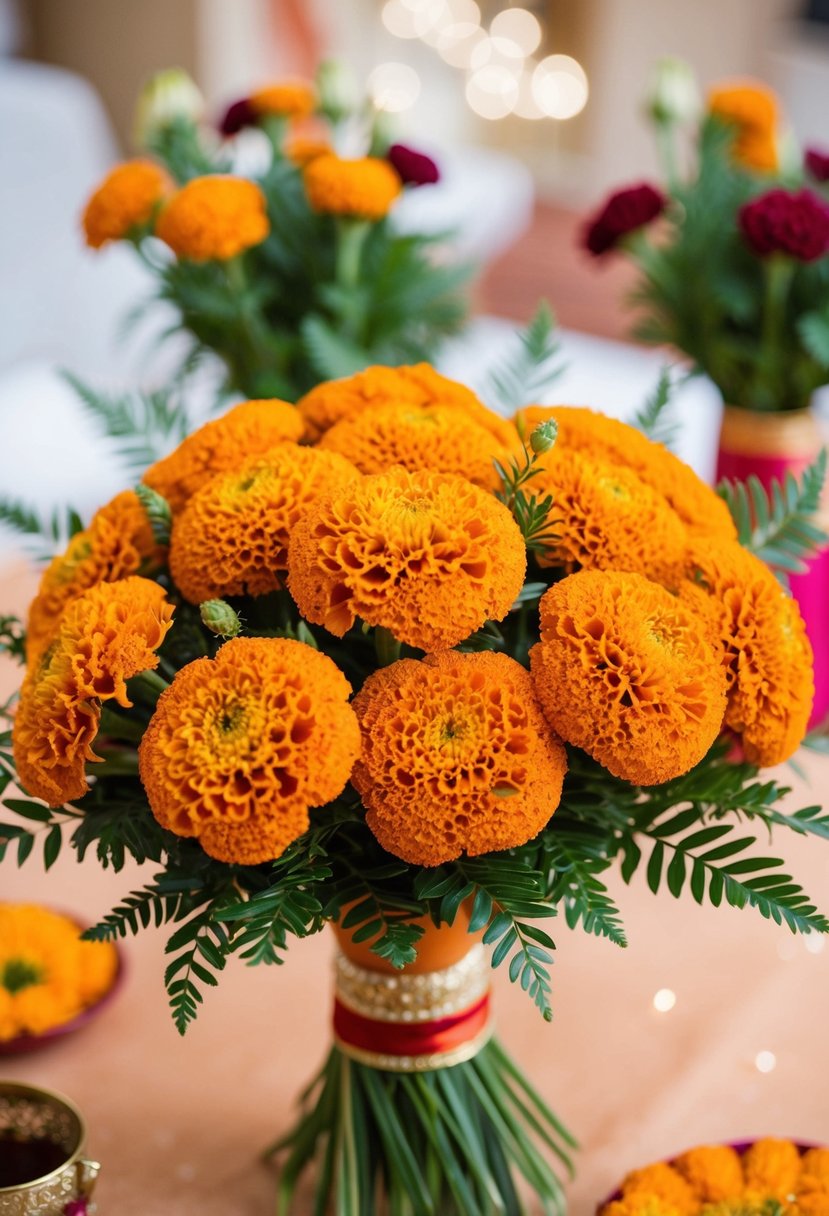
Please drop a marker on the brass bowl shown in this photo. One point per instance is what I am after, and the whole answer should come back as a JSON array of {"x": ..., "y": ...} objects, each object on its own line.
[{"x": 28, "y": 1114}]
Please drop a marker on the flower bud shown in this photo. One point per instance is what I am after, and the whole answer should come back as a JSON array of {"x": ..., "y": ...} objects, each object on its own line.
[
  {"x": 337, "y": 89},
  {"x": 158, "y": 513},
  {"x": 168, "y": 96},
  {"x": 544, "y": 436},
  {"x": 673, "y": 96},
  {"x": 220, "y": 618}
]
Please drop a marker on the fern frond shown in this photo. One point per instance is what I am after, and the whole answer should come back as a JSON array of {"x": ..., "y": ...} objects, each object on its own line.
[
  {"x": 143, "y": 427},
  {"x": 44, "y": 535},
  {"x": 653, "y": 419},
  {"x": 524, "y": 377}
]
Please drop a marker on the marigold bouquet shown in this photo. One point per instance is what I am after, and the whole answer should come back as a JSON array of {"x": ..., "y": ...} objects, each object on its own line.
[
  {"x": 735, "y": 273},
  {"x": 295, "y": 273},
  {"x": 768, "y": 1177},
  {"x": 389, "y": 660}
]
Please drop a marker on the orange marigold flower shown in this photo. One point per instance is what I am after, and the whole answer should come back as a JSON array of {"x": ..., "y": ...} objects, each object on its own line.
[
  {"x": 599, "y": 437},
  {"x": 625, "y": 671},
  {"x": 752, "y": 109},
  {"x": 415, "y": 385},
  {"x": 214, "y": 218},
  {"x": 127, "y": 198},
  {"x": 714, "y": 1171},
  {"x": 232, "y": 537},
  {"x": 241, "y": 746},
  {"x": 107, "y": 635},
  {"x": 48, "y": 974},
  {"x": 249, "y": 429},
  {"x": 285, "y": 98},
  {"x": 438, "y": 437},
  {"x": 767, "y": 656},
  {"x": 118, "y": 542},
  {"x": 456, "y": 757},
  {"x": 357, "y": 189},
  {"x": 640, "y": 1203},
  {"x": 664, "y": 1182},
  {"x": 772, "y": 1168},
  {"x": 301, "y": 149},
  {"x": 810, "y": 1201},
  {"x": 815, "y": 1170},
  {"x": 428, "y": 556},
  {"x": 605, "y": 517}
]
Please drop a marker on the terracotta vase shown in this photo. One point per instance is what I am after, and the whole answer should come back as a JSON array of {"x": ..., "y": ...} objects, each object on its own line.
[{"x": 769, "y": 446}]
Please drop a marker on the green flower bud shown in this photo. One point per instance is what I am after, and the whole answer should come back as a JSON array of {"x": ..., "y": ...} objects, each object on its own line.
[
  {"x": 220, "y": 618},
  {"x": 543, "y": 436},
  {"x": 158, "y": 513},
  {"x": 673, "y": 96},
  {"x": 337, "y": 89},
  {"x": 167, "y": 97}
]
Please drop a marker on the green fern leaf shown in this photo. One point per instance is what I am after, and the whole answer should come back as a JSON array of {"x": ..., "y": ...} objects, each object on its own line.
[
  {"x": 653, "y": 418},
  {"x": 524, "y": 377}
]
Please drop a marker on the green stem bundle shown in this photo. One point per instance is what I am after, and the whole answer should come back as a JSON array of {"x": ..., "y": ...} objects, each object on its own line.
[{"x": 458, "y": 1141}]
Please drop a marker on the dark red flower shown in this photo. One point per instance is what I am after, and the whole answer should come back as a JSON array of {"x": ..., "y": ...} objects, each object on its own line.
[
  {"x": 76, "y": 1207},
  {"x": 623, "y": 212},
  {"x": 817, "y": 164},
  {"x": 413, "y": 168},
  {"x": 237, "y": 116},
  {"x": 782, "y": 221}
]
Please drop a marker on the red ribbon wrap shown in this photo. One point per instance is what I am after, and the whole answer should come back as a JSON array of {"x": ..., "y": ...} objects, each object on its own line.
[{"x": 439, "y": 1036}]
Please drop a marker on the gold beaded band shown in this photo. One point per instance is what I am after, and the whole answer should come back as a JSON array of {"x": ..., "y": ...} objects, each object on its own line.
[{"x": 413, "y": 1023}]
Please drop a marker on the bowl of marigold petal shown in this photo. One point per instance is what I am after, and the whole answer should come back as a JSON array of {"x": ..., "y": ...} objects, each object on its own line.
[
  {"x": 766, "y": 1177},
  {"x": 52, "y": 981}
]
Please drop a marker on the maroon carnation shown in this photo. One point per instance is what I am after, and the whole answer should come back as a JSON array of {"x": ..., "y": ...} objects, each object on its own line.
[
  {"x": 624, "y": 212},
  {"x": 413, "y": 168},
  {"x": 817, "y": 164},
  {"x": 782, "y": 221},
  {"x": 237, "y": 116}
]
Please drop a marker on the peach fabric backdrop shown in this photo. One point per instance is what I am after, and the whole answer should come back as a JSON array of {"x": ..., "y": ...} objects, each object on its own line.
[{"x": 178, "y": 1123}]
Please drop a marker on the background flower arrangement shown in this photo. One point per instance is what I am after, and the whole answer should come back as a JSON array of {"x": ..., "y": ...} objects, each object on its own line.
[
  {"x": 735, "y": 273},
  {"x": 549, "y": 614},
  {"x": 293, "y": 274}
]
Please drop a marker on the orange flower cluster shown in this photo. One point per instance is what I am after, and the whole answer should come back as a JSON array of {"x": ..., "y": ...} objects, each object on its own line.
[
  {"x": 716, "y": 1180},
  {"x": 118, "y": 542},
  {"x": 214, "y": 218},
  {"x": 415, "y": 385},
  {"x": 613, "y": 442},
  {"x": 354, "y": 189},
  {"x": 625, "y": 671},
  {"x": 456, "y": 757},
  {"x": 48, "y": 975},
  {"x": 126, "y": 199},
  {"x": 752, "y": 109},
  {"x": 249, "y": 429},
  {"x": 285, "y": 99},
  {"x": 767, "y": 656},
  {"x": 301, "y": 148},
  {"x": 240, "y": 747},
  {"x": 107, "y": 635},
  {"x": 428, "y": 556},
  {"x": 438, "y": 437},
  {"x": 232, "y": 537},
  {"x": 606, "y": 517}
]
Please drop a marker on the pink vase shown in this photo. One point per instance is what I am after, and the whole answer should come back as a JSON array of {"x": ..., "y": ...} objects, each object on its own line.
[{"x": 770, "y": 445}]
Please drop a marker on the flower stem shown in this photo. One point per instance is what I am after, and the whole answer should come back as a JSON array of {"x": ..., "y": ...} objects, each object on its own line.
[
  {"x": 779, "y": 274},
  {"x": 116, "y": 726},
  {"x": 666, "y": 149},
  {"x": 386, "y": 646},
  {"x": 351, "y": 235}
]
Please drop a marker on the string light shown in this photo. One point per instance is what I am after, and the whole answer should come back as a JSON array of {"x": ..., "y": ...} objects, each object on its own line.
[
  {"x": 664, "y": 1000},
  {"x": 560, "y": 86},
  {"x": 516, "y": 28},
  {"x": 765, "y": 1061},
  {"x": 492, "y": 91}
]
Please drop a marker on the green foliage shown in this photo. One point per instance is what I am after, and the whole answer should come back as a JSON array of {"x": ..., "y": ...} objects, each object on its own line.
[
  {"x": 654, "y": 419},
  {"x": 143, "y": 427},
  {"x": 13, "y": 638},
  {"x": 203, "y": 944},
  {"x": 44, "y": 535},
  {"x": 778, "y": 524},
  {"x": 525, "y": 377},
  {"x": 158, "y": 513},
  {"x": 530, "y": 511}
]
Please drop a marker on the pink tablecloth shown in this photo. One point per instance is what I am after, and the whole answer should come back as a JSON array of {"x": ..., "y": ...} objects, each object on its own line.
[{"x": 177, "y": 1123}]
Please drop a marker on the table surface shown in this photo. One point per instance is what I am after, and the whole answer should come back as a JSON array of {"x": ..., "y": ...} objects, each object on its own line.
[{"x": 177, "y": 1123}]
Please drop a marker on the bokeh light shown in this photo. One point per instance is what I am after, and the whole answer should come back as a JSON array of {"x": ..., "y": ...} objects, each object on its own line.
[
  {"x": 560, "y": 86},
  {"x": 765, "y": 1061},
  {"x": 516, "y": 28},
  {"x": 394, "y": 87},
  {"x": 492, "y": 91},
  {"x": 664, "y": 1000}
]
